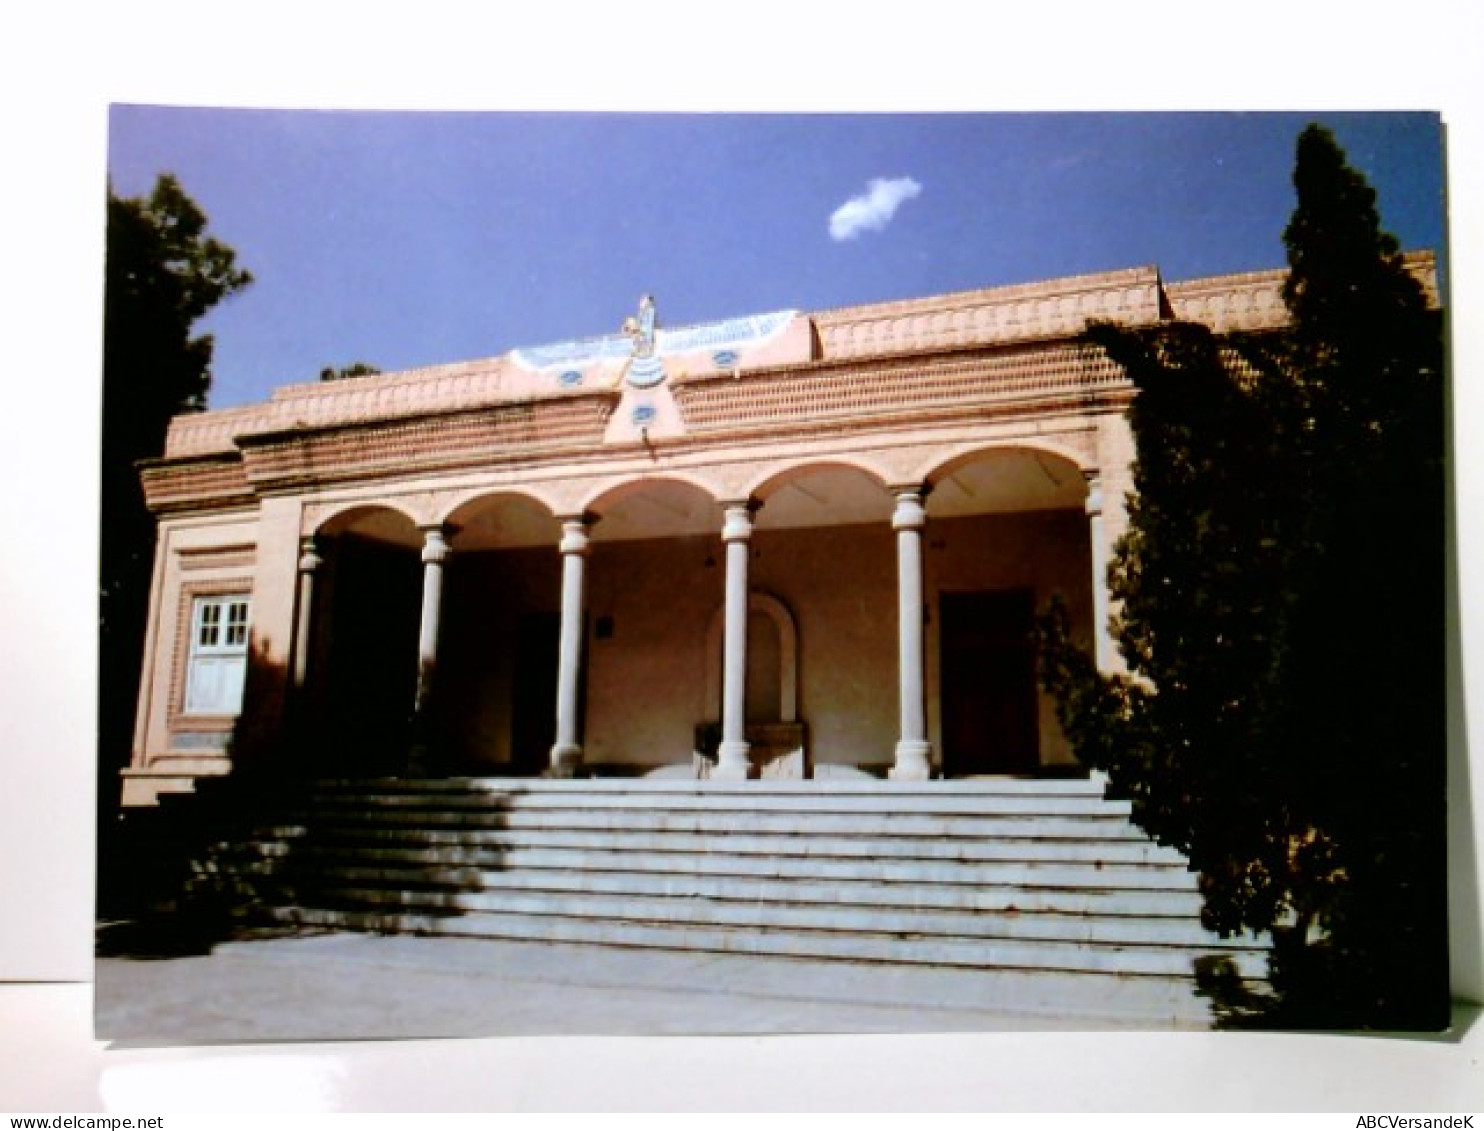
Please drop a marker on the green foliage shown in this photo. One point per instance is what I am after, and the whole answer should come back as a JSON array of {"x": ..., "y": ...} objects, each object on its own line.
[
  {"x": 1281, "y": 615},
  {"x": 163, "y": 273},
  {"x": 345, "y": 372}
]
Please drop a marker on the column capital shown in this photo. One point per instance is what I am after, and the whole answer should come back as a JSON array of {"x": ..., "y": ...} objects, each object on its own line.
[
  {"x": 1093, "y": 505},
  {"x": 910, "y": 513},
  {"x": 435, "y": 543},
  {"x": 309, "y": 557},
  {"x": 576, "y": 534},
  {"x": 737, "y": 526}
]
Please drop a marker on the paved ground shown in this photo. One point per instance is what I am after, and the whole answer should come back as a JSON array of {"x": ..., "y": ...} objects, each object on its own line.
[{"x": 338, "y": 986}]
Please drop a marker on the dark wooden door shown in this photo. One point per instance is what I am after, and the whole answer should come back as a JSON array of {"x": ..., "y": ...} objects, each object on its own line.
[{"x": 988, "y": 682}]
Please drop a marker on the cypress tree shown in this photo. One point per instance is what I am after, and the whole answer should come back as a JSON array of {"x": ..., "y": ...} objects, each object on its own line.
[{"x": 1281, "y": 615}]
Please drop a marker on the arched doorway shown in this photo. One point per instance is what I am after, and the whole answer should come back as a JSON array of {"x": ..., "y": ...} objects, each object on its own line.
[
  {"x": 363, "y": 649},
  {"x": 777, "y": 735},
  {"x": 1006, "y": 532},
  {"x": 823, "y": 548},
  {"x": 495, "y": 703},
  {"x": 655, "y": 573}
]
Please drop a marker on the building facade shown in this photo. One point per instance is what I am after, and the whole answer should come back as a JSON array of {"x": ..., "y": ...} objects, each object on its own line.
[{"x": 785, "y": 545}]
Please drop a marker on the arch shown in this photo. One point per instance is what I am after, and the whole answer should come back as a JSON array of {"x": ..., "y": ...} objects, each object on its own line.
[
  {"x": 362, "y": 638},
  {"x": 788, "y": 655},
  {"x": 475, "y": 496},
  {"x": 825, "y": 492},
  {"x": 776, "y": 477},
  {"x": 1005, "y": 478},
  {"x": 603, "y": 498},
  {"x": 654, "y": 506},
  {"x": 944, "y": 466},
  {"x": 380, "y": 517},
  {"x": 502, "y": 518}
]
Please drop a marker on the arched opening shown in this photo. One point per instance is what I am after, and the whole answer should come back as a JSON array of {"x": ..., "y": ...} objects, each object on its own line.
[
  {"x": 823, "y": 547},
  {"x": 496, "y": 696},
  {"x": 656, "y": 571},
  {"x": 363, "y": 647},
  {"x": 1007, "y": 531},
  {"x": 772, "y": 662},
  {"x": 778, "y": 739}
]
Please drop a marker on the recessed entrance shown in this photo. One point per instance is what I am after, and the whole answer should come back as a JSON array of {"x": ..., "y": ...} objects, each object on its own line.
[
  {"x": 988, "y": 691},
  {"x": 533, "y": 701}
]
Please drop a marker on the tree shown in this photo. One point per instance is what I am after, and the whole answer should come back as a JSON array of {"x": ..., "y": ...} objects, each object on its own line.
[
  {"x": 345, "y": 372},
  {"x": 163, "y": 273},
  {"x": 1282, "y": 618}
]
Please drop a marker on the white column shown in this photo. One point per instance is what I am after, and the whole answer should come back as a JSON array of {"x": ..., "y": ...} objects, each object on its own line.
[
  {"x": 435, "y": 553},
  {"x": 732, "y": 762},
  {"x": 309, "y": 563},
  {"x": 1097, "y": 541},
  {"x": 566, "y": 752},
  {"x": 914, "y": 752}
]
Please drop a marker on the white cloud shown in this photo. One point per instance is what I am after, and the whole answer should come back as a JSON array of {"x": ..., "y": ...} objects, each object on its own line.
[{"x": 873, "y": 209}]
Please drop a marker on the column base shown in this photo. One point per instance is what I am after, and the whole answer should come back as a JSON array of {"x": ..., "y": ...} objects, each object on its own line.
[
  {"x": 914, "y": 761},
  {"x": 732, "y": 762},
  {"x": 566, "y": 761}
]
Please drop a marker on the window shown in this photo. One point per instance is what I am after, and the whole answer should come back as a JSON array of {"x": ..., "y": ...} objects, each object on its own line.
[{"x": 218, "y": 663}]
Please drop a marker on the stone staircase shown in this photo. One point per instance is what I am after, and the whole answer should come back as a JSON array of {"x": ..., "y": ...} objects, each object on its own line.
[{"x": 1032, "y": 878}]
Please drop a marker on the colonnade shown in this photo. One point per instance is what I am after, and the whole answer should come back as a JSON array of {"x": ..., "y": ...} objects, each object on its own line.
[{"x": 913, "y": 760}]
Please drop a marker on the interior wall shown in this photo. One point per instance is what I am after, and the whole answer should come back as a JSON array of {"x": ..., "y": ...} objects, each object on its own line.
[
  {"x": 650, "y": 603},
  {"x": 840, "y": 584}
]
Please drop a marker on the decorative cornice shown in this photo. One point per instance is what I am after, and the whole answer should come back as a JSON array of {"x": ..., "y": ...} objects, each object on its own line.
[
  {"x": 992, "y": 352},
  {"x": 195, "y": 483},
  {"x": 1040, "y": 376},
  {"x": 212, "y": 433},
  {"x": 241, "y": 556},
  {"x": 1253, "y": 300},
  {"x": 442, "y": 388},
  {"x": 996, "y": 315},
  {"x": 430, "y": 442}
]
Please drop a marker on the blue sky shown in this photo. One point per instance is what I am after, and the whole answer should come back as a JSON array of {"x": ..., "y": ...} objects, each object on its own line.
[{"x": 405, "y": 239}]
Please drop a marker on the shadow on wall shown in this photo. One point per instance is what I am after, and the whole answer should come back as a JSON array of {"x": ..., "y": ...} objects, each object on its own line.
[{"x": 272, "y": 849}]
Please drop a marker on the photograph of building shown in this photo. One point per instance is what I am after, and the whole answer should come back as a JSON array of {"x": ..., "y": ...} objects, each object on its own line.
[{"x": 711, "y": 637}]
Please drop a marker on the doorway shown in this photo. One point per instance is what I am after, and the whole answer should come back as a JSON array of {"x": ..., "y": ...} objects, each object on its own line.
[
  {"x": 533, "y": 695},
  {"x": 988, "y": 683}
]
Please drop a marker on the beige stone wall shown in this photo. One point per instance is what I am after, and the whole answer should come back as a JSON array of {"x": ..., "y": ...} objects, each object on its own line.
[
  {"x": 840, "y": 584},
  {"x": 647, "y": 681},
  {"x": 193, "y": 557}
]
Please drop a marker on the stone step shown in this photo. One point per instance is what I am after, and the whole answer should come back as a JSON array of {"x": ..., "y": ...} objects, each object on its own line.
[
  {"x": 456, "y": 854},
  {"x": 1168, "y": 962},
  {"x": 908, "y": 893},
  {"x": 1098, "y": 853},
  {"x": 1102, "y": 826},
  {"x": 834, "y": 789},
  {"x": 1020, "y": 878},
  {"x": 698, "y": 911},
  {"x": 812, "y": 805}
]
